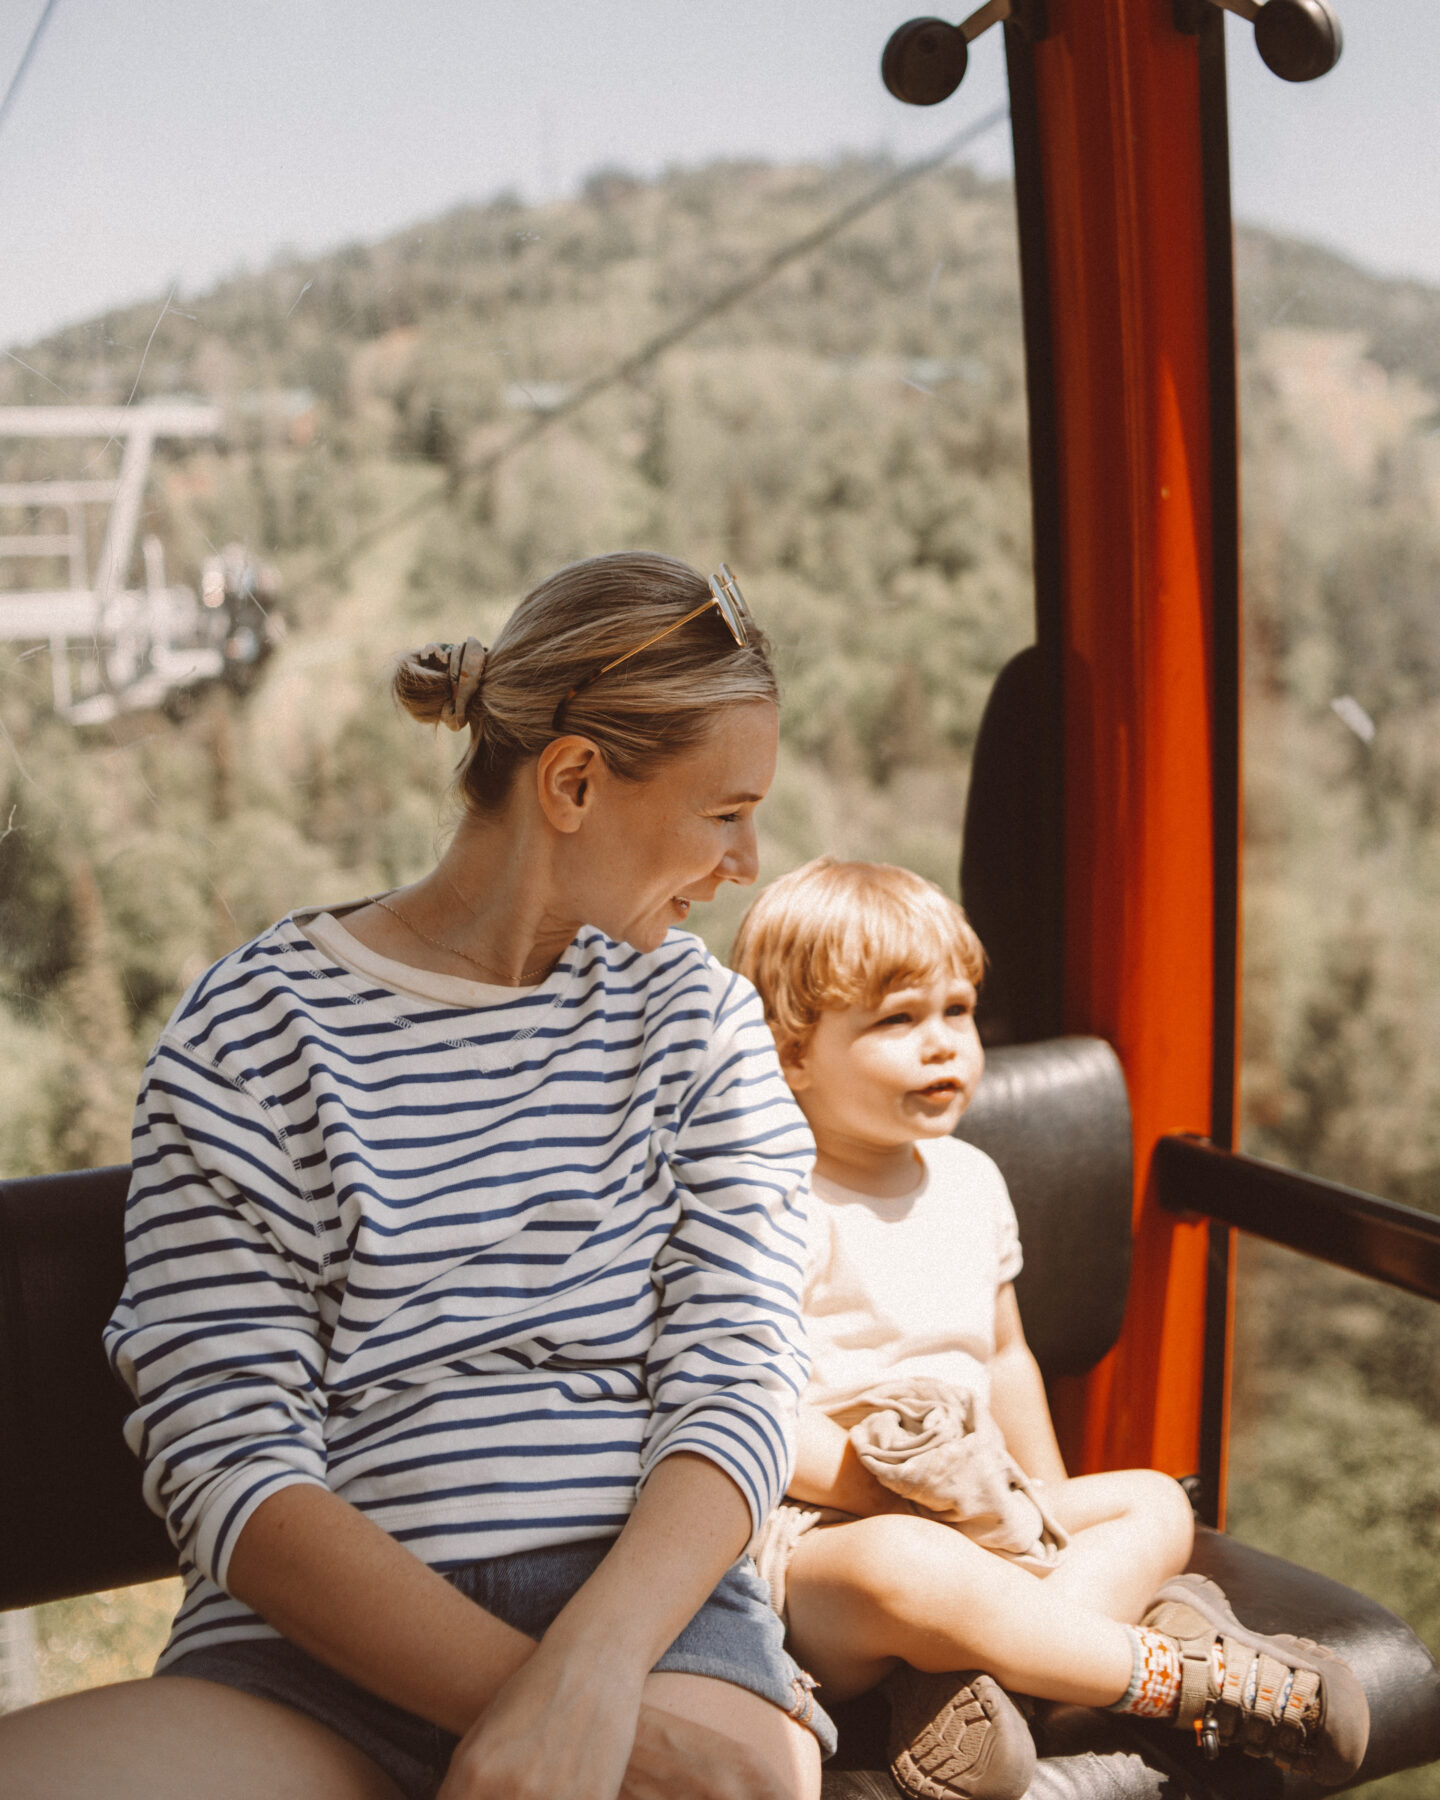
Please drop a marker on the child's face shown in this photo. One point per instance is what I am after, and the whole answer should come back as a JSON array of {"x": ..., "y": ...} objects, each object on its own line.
[{"x": 881, "y": 1078}]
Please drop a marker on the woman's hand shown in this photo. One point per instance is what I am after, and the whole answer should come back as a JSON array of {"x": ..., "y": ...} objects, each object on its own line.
[
  {"x": 559, "y": 1729},
  {"x": 571, "y": 1723},
  {"x": 554, "y": 1733}
]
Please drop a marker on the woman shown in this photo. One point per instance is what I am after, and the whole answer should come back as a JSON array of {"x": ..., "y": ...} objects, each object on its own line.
[{"x": 462, "y": 1307}]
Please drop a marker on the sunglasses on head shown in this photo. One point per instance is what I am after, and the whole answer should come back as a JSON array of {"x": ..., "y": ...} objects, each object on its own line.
[{"x": 725, "y": 597}]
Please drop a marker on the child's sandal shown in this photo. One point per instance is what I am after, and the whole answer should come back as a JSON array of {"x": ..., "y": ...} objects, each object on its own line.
[{"x": 1281, "y": 1697}]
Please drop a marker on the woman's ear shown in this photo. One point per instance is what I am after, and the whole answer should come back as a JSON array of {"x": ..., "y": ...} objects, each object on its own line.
[{"x": 565, "y": 774}]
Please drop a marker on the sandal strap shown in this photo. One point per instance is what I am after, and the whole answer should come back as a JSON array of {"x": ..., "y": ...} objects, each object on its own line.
[
  {"x": 1252, "y": 1712},
  {"x": 1238, "y": 1658},
  {"x": 1303, "y": 1706},
  {"x": 1194, "y": 1682}
]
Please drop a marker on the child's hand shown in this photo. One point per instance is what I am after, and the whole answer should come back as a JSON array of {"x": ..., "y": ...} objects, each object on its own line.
[{"x": 829, "y": 1473}]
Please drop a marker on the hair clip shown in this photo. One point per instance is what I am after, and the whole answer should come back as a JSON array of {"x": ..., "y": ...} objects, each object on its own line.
[{"x": 464, "y": 663}]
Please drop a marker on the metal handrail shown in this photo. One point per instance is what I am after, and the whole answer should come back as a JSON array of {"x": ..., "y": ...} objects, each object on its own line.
[{"x": 1388, "y": 1242}]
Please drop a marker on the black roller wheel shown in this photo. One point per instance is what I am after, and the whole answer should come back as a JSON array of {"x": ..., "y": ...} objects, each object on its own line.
[
  {"x": 1299, "y": 40},
  {"x": 924, "y": 62}
]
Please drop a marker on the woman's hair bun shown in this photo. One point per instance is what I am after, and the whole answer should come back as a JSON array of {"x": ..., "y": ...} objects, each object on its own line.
[{"x": 439, "y": 684}]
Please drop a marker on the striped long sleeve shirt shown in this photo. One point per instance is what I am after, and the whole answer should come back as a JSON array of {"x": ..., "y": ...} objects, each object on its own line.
[{"x": 475, "y": 1270}]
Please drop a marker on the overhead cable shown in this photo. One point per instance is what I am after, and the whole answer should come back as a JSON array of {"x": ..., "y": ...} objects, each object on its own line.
[
  {"x": 653, "y": 348},
  {"x": 25, "y": 60}
]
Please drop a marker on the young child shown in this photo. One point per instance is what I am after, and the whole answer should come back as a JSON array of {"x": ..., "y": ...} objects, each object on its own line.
[{"x": 869, "y": 976}]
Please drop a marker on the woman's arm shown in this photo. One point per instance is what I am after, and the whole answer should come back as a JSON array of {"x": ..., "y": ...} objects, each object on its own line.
[
  {"x": 728, "y": 1362},
  {"x": 218, "y": 1332},
  {"x": 336, "y": 1584},
  {"x": 565, "y": 1725},
  {"x": 343, "y": 1589},
  {"x": 1017, "y": 1395},
  {"x": 828, "y": 1472}
]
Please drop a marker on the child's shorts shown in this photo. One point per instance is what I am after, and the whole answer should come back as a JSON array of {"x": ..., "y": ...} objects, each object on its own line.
[
  {"x": 773, "y": 1546},
  {"x": 734, "y": 1637}
]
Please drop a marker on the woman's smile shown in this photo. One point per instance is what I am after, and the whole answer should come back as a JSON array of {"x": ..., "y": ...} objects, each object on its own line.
[{"x": 668, "y": 844}]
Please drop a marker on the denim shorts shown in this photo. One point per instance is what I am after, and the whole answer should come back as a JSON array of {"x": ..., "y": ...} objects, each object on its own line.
[{"x": 734, "y": 1637}]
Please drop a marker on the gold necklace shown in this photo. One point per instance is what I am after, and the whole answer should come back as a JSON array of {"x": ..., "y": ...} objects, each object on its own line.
[{"x": 535, "y": 972}]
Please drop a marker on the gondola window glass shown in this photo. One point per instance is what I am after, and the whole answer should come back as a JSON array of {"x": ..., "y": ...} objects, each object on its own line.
[
  {"x": 444, "y": 303},
  {"x": 1337, "y": 199}
]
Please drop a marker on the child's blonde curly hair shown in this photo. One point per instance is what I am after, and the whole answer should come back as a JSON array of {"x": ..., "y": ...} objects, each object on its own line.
[{"x": 834, "y": 934}]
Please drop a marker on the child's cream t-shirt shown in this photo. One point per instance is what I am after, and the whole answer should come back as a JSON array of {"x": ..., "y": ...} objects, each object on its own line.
[{"x": 907, "y": 1286}]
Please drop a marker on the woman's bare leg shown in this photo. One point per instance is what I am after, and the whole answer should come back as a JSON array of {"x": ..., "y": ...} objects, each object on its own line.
[
  {"x": 179, "y": 1739},
  {"x": 789, "y": 1747},
  {"x": 892, "y": 1588},
  {"x": 1130, "y": 1531}
]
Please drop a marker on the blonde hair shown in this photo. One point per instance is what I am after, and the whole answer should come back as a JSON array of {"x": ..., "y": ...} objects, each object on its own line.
[
  {"x": 655, "y": 706},
  {"x": 834, "y": 934}
]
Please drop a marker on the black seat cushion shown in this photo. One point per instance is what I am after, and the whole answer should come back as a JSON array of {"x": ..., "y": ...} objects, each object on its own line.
[{"x": 1398, "y": 1673}]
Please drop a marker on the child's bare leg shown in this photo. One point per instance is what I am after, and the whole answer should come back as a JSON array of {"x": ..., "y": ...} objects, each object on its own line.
[
  {"x": 1130, "y": 1531},
  {"x": 863, "y": 1596}
]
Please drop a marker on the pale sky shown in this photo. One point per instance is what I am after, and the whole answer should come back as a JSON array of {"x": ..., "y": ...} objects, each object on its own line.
[{"x": 171, "y": 141}]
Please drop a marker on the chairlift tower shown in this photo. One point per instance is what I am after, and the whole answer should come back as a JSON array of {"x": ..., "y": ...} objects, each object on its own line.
[{"x": 140, "y": 646}]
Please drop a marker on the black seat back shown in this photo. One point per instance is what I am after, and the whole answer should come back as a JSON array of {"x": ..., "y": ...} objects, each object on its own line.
[
  {"x": 71, "y": 1516},
  {"x": 1056, "y": 1118},
  {"x": 1012, "y": 857}
]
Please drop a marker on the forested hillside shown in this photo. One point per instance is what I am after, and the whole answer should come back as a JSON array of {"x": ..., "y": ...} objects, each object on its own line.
[{"x": 851, "y": 438}]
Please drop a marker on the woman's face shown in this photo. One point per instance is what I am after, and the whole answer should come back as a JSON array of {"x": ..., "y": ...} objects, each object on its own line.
[{"x": 653, "y": 848}]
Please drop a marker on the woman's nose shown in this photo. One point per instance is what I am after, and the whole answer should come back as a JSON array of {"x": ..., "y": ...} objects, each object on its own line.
[{"x": 741, "y": 862}]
